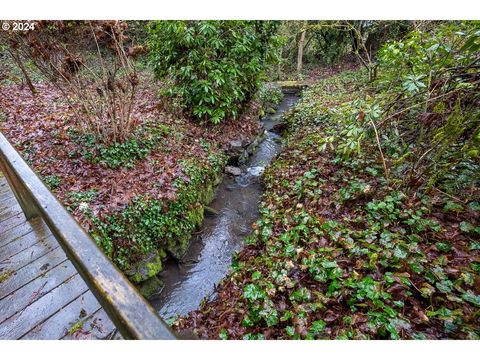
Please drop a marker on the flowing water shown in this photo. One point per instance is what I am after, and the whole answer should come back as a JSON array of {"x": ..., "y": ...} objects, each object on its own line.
[{"x": 207, "y": 261}]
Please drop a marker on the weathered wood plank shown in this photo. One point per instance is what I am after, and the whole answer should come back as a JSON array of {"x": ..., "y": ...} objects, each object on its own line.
[
  {"x": 40, "y": 310},
  {"x": 35, "y": 289},
  {"x": 6, "y": 196},
  {"x": 7, "y": 199},
  {"x": 22, "y": 244},
  {"x": 9, "y": 212},
  {"x": 133, "y": 315},
  {"x": 24, "y": 258},
  {"x": 99, "y": 326},
  {"x": 3, "y": 182},
  {"x": 11, "y": 222},
  {"x": 71, "y": 320},
  {"x": 4, "y": 187},
  {"x": 36, "y": 226},
  {"x": 26, "y": 274}
]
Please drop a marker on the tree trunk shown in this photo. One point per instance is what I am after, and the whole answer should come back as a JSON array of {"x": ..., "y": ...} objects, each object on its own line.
[
  {"x": 301, "y": 43},
  {"x": 19, "y": 62},
  {"x": 354, "y": 41}
]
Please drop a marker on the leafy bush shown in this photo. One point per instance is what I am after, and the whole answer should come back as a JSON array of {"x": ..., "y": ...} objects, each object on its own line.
[
  {"x": 52, "y": 181},
  {"x": 213, "y": 67},
  {"x": 428, "y": 83},
  {"x": 115, "y": 155},
  {"x": 269, "y": 96},
  {"x": 422, "y": 108}
]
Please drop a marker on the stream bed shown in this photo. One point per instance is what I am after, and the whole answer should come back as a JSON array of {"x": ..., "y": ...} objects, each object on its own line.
[{"x": 188, "y": 281}]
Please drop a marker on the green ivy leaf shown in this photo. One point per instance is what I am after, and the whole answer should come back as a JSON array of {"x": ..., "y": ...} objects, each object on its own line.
[
  {"x": 318, "y": 326},
  {"x": 466, "y": 227},
  {"x": 444, "y": 246},
  {"x": 252, "y": 292},
  {"x": 444, "y": 286},
  {"x": 471, "y": 298},
  {"x": 223, "y": 335}
]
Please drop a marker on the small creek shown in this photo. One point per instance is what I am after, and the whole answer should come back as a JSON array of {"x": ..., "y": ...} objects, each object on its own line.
[{"x": 206, "y": 262}]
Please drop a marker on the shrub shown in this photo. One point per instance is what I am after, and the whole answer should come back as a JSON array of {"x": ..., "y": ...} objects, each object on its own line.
[
  {"x": 428, "y": 83},
  {"x": 101, "y": 92},
  {"x": 126, "y": 154},
  {"x": 270, "y": 96},
  {"x": 213, "y": 67}
]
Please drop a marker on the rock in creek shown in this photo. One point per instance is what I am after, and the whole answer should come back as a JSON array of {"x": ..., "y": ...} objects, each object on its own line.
[{"x": 233, "y": 170}]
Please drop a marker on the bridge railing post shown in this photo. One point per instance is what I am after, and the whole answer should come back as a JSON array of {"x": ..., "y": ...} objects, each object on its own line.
[{"x": 23, "y": 197}]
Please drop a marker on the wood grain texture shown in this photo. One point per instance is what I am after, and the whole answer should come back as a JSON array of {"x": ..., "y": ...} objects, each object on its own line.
[{"x": 42, "y": 296}]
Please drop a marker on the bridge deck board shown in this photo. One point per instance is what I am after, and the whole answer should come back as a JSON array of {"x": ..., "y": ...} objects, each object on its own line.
[
  {"x": 41, "y": 294},
  {"x": 21, "y": 230},
  {"x": 11, "y": 222}
]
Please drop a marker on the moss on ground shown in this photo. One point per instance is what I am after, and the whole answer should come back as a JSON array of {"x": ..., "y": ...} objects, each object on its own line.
[{"x": 6, "y": 275}]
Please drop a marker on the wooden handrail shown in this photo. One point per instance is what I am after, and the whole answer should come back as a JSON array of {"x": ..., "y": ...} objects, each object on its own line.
[{"x": 129, "y": 311}]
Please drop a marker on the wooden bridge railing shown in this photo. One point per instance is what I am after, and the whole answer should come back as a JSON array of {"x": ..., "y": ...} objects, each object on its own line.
[{"x": 132, "y": 315}]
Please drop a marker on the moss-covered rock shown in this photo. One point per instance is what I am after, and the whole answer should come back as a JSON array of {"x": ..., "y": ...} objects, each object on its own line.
[
  {"x": 207, "y": 194},
  {"x": 150, "y": 287},
  {"x": 149, "y": 266},
  {"x": 179, "y": 246},
  {"x": 252, "y": 146}
]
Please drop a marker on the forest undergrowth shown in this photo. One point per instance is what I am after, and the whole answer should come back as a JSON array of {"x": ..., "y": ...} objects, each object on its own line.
[{"x": 369, "y": 222}]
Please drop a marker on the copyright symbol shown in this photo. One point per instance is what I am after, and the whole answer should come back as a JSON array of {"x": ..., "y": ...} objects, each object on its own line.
[{"x": 5, "y": 26}]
